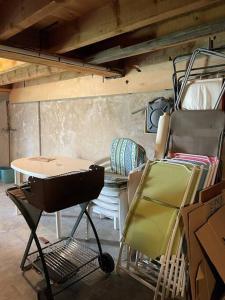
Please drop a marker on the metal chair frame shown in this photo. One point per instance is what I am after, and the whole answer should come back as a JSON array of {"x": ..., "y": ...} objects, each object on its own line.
[{"x": 179, "y": 90}]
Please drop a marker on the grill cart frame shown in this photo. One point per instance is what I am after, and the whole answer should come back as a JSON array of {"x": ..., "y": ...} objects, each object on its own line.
[{"x": 66, "y": 261}]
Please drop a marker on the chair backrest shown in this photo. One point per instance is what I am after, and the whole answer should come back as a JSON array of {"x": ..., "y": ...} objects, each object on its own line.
[
  {"x": 126, "y": 155},
  {"x": 197, "y": 132}
]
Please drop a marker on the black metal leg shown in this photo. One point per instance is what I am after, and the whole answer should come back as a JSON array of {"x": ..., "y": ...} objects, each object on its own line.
[
  {"x": 95, "y": 232},
  {"x": 48, "y": 290},
  {"x": 83, "y": 209},
  {"x": 45, "y": 295},
  {"x": 26, "y": 252}
]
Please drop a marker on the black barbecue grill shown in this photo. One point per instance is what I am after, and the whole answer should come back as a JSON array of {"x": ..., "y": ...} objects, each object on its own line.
[{"x": 68, "y": 260}]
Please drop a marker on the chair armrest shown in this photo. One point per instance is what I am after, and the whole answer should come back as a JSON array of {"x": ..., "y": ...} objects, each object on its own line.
[
  {"x": 133, "y": 182},
  {"x": 105, "y": 162},
  {"x": 138, "y": 169},
  {"x": 108, "y": 168},
  {"x": 115, "y": 178}
]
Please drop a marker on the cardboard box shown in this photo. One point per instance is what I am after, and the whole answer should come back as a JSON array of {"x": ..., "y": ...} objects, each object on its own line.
[
  {"x": 212, "y": 191},
  {"x": 212, "y": 238},
  {"x": 195, "y": 216},
  {"x": 201, "y": 278}
]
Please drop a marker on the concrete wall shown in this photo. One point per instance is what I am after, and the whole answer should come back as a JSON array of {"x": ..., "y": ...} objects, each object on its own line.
[
  {"x": 81, "y": 128},
  {"x": 24, "y": 136},
  {"x": 4, "y": 132}
]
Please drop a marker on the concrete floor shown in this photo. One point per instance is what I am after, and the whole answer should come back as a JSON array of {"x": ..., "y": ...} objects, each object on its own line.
[{"x": 13, "y": 237}]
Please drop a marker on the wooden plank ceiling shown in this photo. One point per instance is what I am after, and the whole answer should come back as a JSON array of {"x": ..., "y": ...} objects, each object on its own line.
[{"x": 96, "y": 36}]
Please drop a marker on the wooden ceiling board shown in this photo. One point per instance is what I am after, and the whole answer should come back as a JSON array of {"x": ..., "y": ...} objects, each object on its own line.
[
  {"x": 47, "y": 22},
  {"x": 8, "y": 64},
  {"x": 67, "y": 11}
]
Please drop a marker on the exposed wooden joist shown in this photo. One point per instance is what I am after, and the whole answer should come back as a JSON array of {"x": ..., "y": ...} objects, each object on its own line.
[
  {"x": 55, "y": 61},
  {"x": 170, "y": 40},
  {"x": 88, "y": 87},
  {"x": 4, "y": 90},
  {"x": 118, "y": 17},
  {"x": 17, "y": 15},
  {"x": 66, "y": 75},
  {"x": 196, "y": 18},
  {"x": 183, "y": 22},
  {"x": 8, "y": 64},
  {"x": 135, "y": 82},
  {"x": 155, "y": 67},
  {"x": 26, "y": 72}
]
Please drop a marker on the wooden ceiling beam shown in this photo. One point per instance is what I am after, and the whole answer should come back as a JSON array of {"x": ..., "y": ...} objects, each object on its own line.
[
  {"x": 57, "y": 77},
  {"x": 17, "y": 15},
  {"x": 26, "y": 72},
  {"x": 170, "y": 40},
  {"x": 5, "y": 89},
  {"x": 67, "y": 64},
  {"x": 117, "y": 17}
]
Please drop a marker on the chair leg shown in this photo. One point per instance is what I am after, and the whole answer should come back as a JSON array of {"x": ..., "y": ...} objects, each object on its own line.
[
  {"x": 101, "y": 216},
  {"x": 115, "y": 223},
  {"x": 123, "y": 210}
]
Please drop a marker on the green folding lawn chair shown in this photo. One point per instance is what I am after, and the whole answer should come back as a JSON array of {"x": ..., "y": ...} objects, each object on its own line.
[{"x": 152, "y": 228}]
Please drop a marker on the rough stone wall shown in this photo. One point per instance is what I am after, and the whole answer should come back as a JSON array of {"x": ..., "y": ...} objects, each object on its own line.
[{"x": 81, "y": 128}]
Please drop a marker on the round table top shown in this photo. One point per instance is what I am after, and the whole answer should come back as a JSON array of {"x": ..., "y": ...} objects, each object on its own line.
[{"x": 43, "y": 166}]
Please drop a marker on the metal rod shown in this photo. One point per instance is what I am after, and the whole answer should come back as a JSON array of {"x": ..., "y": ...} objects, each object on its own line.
[
  {"x": 49, "y": 294},
  {"x": 83, "y": 208},
  {"x": 39, "y": 128},
  {"x": 95, "y": 232},
  {"x": 9, "y": 132},
  {"x": 188, "y": 70}
]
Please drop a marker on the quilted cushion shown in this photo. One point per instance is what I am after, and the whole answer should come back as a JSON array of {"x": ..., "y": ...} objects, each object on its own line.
[{"x": 126, "y": 155}]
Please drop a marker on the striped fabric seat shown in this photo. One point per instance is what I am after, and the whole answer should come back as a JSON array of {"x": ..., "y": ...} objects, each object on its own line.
[
  {"x": 126, "y": 155},
  {"x": 112, "y": 201}
]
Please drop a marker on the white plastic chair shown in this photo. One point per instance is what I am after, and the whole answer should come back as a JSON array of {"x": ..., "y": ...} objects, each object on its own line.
[{"x": 112, "y": 202}]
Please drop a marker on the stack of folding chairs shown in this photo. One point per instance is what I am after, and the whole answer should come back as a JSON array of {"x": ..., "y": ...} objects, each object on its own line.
[
  {"x": 153, "y": 248},
  {"x": 153, "y": 232}
]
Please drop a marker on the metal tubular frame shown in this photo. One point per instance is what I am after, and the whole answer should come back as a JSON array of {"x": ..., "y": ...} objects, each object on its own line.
[
  {"x": 32, "y": 217},
  {"x": 178, "y": 93}
]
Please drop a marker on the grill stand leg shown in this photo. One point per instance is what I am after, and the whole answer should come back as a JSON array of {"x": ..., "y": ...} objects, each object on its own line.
[
  {"x": 35, "y": 217},
  {"x": 105, "y": 260},
  {"x": 32, "y": 216},
  {"x": 48, "y": 290},
  {"x": 84, "y": 211},
  {"x": 26, "y": 252},
  {"x": 83, "y": 207},
  {"x": 95, "y": 232}
]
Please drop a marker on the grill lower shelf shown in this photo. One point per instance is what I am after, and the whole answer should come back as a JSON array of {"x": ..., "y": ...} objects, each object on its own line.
[{"x": 66, "y": 259}]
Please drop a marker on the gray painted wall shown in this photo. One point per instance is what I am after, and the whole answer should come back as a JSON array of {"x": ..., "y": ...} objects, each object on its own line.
[{"x": 82, "y": 128}]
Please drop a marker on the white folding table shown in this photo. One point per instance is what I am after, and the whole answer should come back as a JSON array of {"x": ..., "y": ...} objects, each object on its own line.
[{"x": 42, "y": 167}]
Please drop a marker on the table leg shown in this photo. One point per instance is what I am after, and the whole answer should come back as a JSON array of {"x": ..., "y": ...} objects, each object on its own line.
[
  {"x": 58, "y": 224},
  {"x": 18, "y": 179}
]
